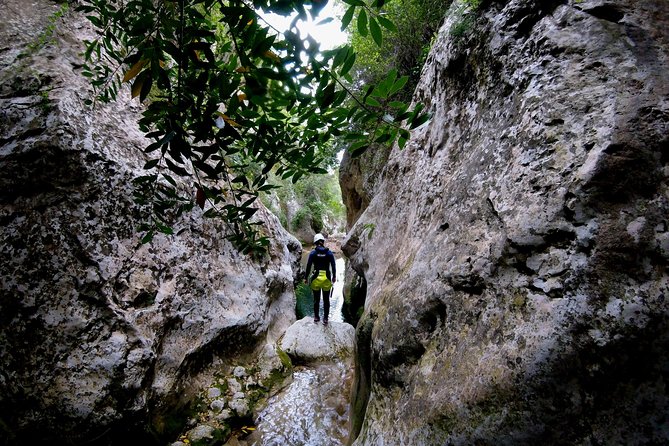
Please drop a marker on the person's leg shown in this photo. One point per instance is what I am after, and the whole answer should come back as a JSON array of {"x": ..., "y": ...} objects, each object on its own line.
[
  {"x": 317, "y": 298},
  {"x": 326, "y": 306}
]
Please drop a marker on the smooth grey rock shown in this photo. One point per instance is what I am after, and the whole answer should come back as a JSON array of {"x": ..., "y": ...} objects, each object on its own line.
[
  {"x": 234, "y": 386},
  {"x": 217, "y": 405},
  {"x": 97, "y": 327},
  {"x": 239, "y": 372},
  {"x": 516, "y": 277},
  {"x": 201, "y": 432},
  {"x": 213, "y": 392},
  {"x": 224, "y": 415},
  {"x": 240, "y": 406},
  {"x": 306, "y": 341}
]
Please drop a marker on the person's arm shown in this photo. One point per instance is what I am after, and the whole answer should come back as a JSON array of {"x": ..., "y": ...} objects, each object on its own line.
[
  {"x": 333, "y": 267},
  {"x": 309, "y": 263}
]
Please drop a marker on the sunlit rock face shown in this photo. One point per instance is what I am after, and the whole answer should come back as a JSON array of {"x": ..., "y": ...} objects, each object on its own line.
[
  {"x": 517, "y": 273},
  {"x": 101, "y": 337}
]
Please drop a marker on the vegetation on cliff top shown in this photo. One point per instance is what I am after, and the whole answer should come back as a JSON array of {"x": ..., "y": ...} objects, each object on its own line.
[{"x": 416, "y": 23}]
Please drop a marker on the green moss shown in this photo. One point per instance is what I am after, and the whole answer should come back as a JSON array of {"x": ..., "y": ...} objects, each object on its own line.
[
  {"x": 285, "y": 359},
  {"x": 354, "y": 301},
  {"x": 519, "y": 299},
  {"x": 222, "y": 385}
]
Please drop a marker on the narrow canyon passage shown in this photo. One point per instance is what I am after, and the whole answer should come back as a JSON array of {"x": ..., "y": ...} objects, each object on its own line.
[{"x": 313, "y": 409}]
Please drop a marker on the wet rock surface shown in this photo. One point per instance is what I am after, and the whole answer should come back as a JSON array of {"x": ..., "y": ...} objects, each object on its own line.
[
  {"x": 517, "y": 272},
  {"x": 227, "y": 408},
  {"x": 314, "y": 407},
  {"x": 312, "y": 410},
  {"x": 272, "y": 402}
]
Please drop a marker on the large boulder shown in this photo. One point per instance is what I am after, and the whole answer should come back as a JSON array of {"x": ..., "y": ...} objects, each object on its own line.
[
  {"x": 308, "y": 342},
  {"x": 517, "y": 272},
  {"x": 102, "y": 337}
]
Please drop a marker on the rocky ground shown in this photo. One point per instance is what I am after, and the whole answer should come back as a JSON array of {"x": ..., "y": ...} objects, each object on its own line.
[{"x": 305, "y": 377}]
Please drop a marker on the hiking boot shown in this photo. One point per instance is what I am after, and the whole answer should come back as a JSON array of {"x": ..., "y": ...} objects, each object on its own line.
[
  {"x": 325, "y": 321},
  {"x": 316, "y": 320}
]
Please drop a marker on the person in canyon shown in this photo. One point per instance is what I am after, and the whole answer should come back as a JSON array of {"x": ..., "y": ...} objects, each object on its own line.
[{"x": 324, "y": 275}]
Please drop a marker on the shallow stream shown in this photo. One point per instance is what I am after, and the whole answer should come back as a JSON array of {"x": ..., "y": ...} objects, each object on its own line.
[{"x": 313, "y": 409}]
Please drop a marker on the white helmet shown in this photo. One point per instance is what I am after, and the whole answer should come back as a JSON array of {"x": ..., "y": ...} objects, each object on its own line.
[{"x": 318, "y": 237}]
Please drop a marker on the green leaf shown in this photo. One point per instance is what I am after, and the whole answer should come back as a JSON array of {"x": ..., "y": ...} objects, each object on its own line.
[
  {"x": 341, "y": 55},
  {"x": 419, "y": 120},
  {"x": 164, "y": 229},
  {"x": 146, "y": 86},
  {"x": 288, "y": 109},
  {"x": 384, "y": 137},
  {"x": 389, "y": 81},
  {"x": 147, "y": 237},
  {"x": 362, "y": 23},
  {"x": 170, "y": 180},
  {"x": 350, "y": 60},
  {"x": 176, "y": 169},
  {"x": 90, "y": 46},
  {"x": 151, "y": 164},
  {"x": 358, "y": 148},
  {"x": 387, "y": 24},
  {"x": 328, "y": 96},
  {"x": 404, "y": 137},
  {"x": 398, "y": 104},
  {"x": 375, "y": 30},
  {"x": 348, "y": 16},
  {"x": 398, "y": 85}
]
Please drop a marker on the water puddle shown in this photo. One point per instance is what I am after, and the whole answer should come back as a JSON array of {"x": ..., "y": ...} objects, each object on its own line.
[{"x": 312, "y": 411}]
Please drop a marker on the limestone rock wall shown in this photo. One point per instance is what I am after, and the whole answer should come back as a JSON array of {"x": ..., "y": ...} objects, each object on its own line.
[
  {"x": 101, "y": 337},
  {"x": 517, "y": 272},
  {"x": 359, "y": 178}
]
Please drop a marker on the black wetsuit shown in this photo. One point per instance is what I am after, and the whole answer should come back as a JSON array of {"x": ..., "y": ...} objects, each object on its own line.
[{"x": 322, "y": 259}]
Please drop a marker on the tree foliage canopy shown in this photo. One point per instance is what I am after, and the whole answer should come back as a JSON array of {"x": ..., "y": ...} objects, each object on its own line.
[
  {"x": 416, "y": 23},
  {"x": 229, "y": 100}
]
